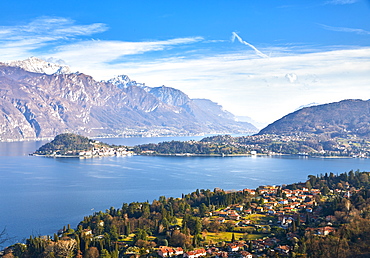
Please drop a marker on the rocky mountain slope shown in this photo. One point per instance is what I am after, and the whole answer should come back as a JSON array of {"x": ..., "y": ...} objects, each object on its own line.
[
  {"x": 39, "y": 105},
  {"x": 339, "y": 119}
]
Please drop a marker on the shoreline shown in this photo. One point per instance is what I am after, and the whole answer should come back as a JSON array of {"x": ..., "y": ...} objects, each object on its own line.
[
  {"x": 194, "y": 155},
  {"x": 248, "y": 155},
  {"x": 200, "y": 155},
  {"x": 78, "y": 156}
]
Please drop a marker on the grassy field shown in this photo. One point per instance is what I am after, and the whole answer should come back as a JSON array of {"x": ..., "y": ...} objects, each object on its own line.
[
  {"x": 259, "y": 218},
  {"x": 248, "y": 229},
  {"x": 128, "y": 239},
  {"x": 226, "y": 236}
]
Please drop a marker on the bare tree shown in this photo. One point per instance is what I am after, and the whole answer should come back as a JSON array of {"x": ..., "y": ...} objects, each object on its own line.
[
  {"x": 61, "y": 248},
  {"x": 4, "y": 237}
]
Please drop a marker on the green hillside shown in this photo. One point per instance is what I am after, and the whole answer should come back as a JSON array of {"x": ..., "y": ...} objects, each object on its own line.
[
  {"x": 340, "y": 119},
  {"x": 67, "y": 143}
]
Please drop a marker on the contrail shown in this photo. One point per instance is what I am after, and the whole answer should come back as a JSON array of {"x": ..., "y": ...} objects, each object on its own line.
[{"x": 259, "y": 53}]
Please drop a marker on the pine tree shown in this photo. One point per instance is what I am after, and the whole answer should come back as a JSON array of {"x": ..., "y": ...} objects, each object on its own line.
[{"x": 294, "y": 226}]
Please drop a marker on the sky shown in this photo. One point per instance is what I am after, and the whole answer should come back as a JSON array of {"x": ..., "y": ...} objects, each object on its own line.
[{"x": 261, "y": 58}]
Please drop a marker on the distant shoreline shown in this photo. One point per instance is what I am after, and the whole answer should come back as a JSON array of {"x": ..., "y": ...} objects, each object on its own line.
[
  {"x": 199, "y": 155},
  {"x": 77, "y": 156},
  {"x": 189, "y": 155},
  {"x": 245, "y": 155}
]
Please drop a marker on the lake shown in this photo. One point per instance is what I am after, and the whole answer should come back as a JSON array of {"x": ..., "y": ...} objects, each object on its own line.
[{"x": 41, "y": 195}]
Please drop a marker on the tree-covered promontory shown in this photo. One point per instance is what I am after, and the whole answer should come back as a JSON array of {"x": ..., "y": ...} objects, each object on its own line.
[
  {"x": 70, "y": 145},
  {"x": 67, "y": 142}
]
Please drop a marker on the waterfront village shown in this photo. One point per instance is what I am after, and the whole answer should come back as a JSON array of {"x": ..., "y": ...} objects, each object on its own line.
[
  {"x": 294, "y": 208},
  {"x": 70, "y": 145},
  {"x": 297, "y": 220},
  {"x": 90, "y": 150},
  {"x": 104, "y": 151}
]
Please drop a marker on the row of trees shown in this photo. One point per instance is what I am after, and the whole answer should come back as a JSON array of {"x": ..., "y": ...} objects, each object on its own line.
[{"x": 194, "y": 147}]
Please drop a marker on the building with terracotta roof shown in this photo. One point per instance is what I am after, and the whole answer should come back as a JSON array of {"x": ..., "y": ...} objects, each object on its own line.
[
  {"x": 166, "y": 251},
  {"x": 195, "y": 253}
]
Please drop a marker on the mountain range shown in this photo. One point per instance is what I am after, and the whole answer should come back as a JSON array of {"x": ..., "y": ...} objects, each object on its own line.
[
  {"x": 41, "y": 99},
  {"x": 345, "y": 118}
]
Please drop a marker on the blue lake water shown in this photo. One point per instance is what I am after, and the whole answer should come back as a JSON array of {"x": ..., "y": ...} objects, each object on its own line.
[{"x": 41, "y": 195}]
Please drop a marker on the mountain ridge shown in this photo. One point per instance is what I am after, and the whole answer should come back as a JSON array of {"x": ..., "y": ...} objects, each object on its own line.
[
  {"x": 337, "y": 119},
  {"x": 39, "y": 105}
]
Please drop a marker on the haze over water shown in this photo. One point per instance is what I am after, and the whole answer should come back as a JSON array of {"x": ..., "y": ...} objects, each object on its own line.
[{"x": 41, "y": 195}]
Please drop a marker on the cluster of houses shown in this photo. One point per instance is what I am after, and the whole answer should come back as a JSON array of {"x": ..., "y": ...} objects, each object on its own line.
[
  {"x": 289, "y": 202},
  {"x": 233, "y": 250},
  {"x": 283, "y": 204},
  {"x": 96, "y": 151},
  {"x": 105, "y": 151},
  {"x": 165, "y": 251}
]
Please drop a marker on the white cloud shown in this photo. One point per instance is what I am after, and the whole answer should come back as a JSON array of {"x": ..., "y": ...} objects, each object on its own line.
[
  {"x": 85, "y": 54},
  {"x": 341, "y": 2},
  {"x": 291, "y": 77},
  {"x": 343, "y": 29},
  {"x": 258, "y": 87},
  {"x": 240, "y": 81},
  {"x": 236, "y": 36},
  {"x": 22, "y": 41},
  {"x": 18, "y": 42}
]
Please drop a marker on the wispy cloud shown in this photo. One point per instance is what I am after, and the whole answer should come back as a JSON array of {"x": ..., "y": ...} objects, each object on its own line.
[
  {"x": 236, "y": 36},
  {"x": 25, "y": 38},
  {"x": 59, "y": 27},
  {"x": 262, "y": 88},
  {"x": 341, "y": 2},
  {"x": 89, "y": 53},
  {"x": 61, "y": 37},
  {"x": 50, "y": 27},
  {"x": 343, "y": 29},
  {"x": 259, "y": 87}
]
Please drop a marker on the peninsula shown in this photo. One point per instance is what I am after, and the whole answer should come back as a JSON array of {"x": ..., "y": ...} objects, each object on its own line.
[
  {"x": 71, "y": 145},
  {"x": 76, "y": 146}
]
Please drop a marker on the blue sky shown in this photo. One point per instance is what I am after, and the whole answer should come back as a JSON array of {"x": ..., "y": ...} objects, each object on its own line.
[{"x": 261, "y": 59}]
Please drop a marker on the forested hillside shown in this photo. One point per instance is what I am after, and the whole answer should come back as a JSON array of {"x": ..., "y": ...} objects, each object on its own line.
[
  {"x": 69, "y": 143},
  {"x": 340, "y": 119},
  {"x": 326, "y": 216}
]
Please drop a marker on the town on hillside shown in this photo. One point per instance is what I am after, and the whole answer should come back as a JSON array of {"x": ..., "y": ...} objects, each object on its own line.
[{"x": 326, "y": 216}]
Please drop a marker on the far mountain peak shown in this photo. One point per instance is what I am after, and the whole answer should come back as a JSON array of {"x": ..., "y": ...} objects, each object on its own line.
[
  {"x": 38, "y": 65},
  {"x": 123, "y": 81}
]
